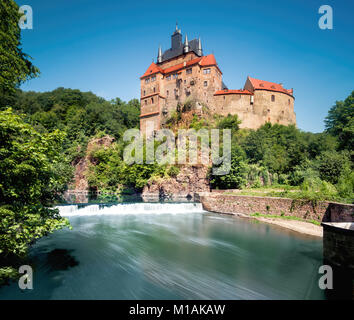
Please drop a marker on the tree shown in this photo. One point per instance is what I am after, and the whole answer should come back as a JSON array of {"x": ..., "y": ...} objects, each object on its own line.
[
  {"x": 340, "y": 122},
  {"x": 15, "y": 65},
  {"x": 32, "y": 173},
  {"x": 236, "y": 178}
]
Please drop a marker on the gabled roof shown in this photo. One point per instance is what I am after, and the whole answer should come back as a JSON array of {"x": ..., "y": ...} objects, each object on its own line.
[
  {"x": 152, "y": 70},
  {"x": 204, "y": 61},
  {"x": 226, "y": 91},
  {"x": 270, "y": 86},
  {"x": 208, "y": 60}
]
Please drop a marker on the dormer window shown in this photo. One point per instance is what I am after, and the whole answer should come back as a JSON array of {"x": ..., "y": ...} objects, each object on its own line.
[{"x": 206, "y": 71}]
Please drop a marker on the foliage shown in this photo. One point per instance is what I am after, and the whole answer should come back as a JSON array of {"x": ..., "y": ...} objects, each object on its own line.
[
  {"x": 236, "y": 178},
  {"x": 340, "y": 122},
  {"x": 15, "y": 65},
  {"x": 32, "y": 174}
]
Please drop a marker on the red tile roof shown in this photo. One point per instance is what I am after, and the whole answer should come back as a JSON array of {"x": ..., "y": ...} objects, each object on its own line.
[
  {"x": 152, "y": 70},
  {"x": 226, "y": 91},
  {"x": 204, "y": 61},
  {"x": 208, "y": 60},
  {"x": 181, "y": 65},
  {"x": 271, "y": 86}
]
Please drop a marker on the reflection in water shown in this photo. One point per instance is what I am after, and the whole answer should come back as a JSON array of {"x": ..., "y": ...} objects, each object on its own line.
[{"x": 171, "y": 251}]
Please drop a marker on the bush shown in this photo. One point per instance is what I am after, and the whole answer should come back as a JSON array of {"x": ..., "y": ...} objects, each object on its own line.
[{"x": 173, "y": 171}]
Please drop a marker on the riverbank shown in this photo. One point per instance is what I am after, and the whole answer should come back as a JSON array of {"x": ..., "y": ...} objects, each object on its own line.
[
  {"x": 298, "y": 215},
  {"x": 303, "y": 227}
]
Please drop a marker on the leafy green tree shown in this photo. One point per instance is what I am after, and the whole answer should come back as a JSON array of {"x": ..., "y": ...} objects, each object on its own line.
[
  {"x": 340, "y": 122},
  {"x": 236, "y": 178},
  {"x": 15, "y": 65},
  {"x": 32, "y": 174},
  {"x": 332, "y": 164}
]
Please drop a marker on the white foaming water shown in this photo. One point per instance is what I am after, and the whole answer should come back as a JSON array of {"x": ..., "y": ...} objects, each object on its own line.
[{"x": 130, "y": 208}]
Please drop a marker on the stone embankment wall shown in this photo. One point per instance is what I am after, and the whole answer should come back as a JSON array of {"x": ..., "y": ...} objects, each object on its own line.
[{"x": 247, "y": 205}]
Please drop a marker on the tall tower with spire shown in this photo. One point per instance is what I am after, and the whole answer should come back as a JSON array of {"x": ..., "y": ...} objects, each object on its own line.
[{"x": 176, "y": 39}]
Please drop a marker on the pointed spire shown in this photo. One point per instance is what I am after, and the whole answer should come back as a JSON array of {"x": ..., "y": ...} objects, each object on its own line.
[
  {"x": 199, "y": 50},
  {"x": 159, "y": 55},
  {"x": 186, "y": 45},
  {"x": 177, "y": 30}
]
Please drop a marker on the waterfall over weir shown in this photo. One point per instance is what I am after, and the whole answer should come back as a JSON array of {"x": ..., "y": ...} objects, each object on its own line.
[{"x": 130, "y": 208}]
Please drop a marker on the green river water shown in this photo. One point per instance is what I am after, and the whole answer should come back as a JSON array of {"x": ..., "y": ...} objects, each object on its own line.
[{"x": 170, "y": 251}]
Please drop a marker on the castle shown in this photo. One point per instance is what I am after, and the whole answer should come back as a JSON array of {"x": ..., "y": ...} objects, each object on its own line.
[{"x": 183, "y": 72}]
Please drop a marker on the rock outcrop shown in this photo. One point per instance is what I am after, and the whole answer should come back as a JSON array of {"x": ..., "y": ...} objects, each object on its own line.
[{"x": 190, "y": 179}]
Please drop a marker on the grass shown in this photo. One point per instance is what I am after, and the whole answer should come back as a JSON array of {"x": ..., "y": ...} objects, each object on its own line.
[
  {"x": 291, "y": 192},
  {"x": 257, "y": 214}
]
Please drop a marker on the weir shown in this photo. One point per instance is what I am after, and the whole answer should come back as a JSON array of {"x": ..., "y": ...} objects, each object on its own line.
[{"x": 130, "y": 208}]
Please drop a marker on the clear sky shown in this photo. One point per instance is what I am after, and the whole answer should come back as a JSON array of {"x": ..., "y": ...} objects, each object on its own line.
[{"x": 104, "y": 46}]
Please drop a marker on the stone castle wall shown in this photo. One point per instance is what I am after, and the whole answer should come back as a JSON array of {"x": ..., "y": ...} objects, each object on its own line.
[
  {"x": 257, "y": 109},
  {"x": 162, "y": 93}
]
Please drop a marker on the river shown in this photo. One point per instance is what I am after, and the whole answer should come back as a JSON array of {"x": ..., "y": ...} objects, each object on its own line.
[{"x": 170, "y": 251}]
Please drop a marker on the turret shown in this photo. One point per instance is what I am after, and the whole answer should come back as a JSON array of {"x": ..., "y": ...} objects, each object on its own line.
[
  {"x": 186, "y": 45},
  {"x": 199, "y": 50},
  {"x": 159, "y": 55}
]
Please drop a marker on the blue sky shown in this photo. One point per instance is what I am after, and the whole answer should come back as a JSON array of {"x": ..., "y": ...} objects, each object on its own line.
[{"x": 104, "y": 46}]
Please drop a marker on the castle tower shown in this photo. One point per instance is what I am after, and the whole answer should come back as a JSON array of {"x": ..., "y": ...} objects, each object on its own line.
[{"x": 176, "y": 39}]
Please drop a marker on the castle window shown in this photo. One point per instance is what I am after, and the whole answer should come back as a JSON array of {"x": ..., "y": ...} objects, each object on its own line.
[
  {"x": 146, "y": 102},
  {"x": 175, "y": 76},
  {"x": 273, "y": 97},
  {"x": 289, "y": 102},
  {"x": 268, "y": 110},
  {"x": 205, "y": 83},
  {"x": 153, "y": 78},
  {"x": 206, "y": 71},
  {"x": 189, "y": 71},
  {"x": 167, "y": 92},
  {"x": 185, "y": 81},
  {"x": 154, "y": 89},
  {"x": 252, "y": 100},
  {"x": 168, "y": 77},
  {"x": 147, "y": 80},
  {"x": 144, "y": 93},
  {"x": 152, "y": 100}
]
